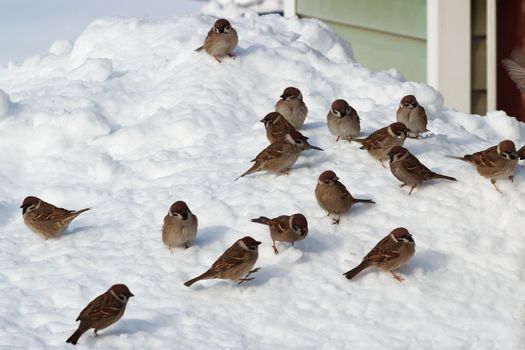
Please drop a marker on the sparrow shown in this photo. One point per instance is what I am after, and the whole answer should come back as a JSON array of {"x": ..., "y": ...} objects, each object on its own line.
[
  {"x": 236, "y": 262},
  {"x": 379, "y": 143},
  {"x": 285, "y": 228},
  {"x": 496, "y": 162},
  {"x": 180, "y": 226},
  {"x": 389, "y": 254},
  {"x": 343, "y": 121},
  {"x": 277, "y": 127},
  {"x": 292, "y": 107},
  {"x": 409, "y": 170},
  {"x": 515, "y": 66},
  {"x": 103, "y": 311},
  {"x": 221, "y": 40},
  {"x": 333, "y": 196},
  {"x": 413, "y": 115},
  {"x": 521, "y": 152},
  {"x": 279, "y": 156},
  {"x": 45, "y": 219}
]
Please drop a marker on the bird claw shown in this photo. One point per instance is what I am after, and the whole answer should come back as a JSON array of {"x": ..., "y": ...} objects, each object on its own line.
[
  {"x": 232, "y": 55},
  {"x": 336, "y": 221},
  {"x": 275, "y": 251},
  {"x": 511, "y": 178},
  {"x": 217, "y": 58},
  {"x": 396, "y": 277},
  {"x": 244, "y": 279}
]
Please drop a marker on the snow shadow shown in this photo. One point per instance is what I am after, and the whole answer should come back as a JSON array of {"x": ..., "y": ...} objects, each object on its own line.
[
  {"x": 426, "y": 260},
  {"x": 210, "y": 234},
  {"x": 70, "y": 231},
  {"x": 130, "y": 326}
]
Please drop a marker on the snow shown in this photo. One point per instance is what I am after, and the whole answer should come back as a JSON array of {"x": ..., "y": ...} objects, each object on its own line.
[
  {"x": 128, "y": 119},
  {"x": 237, "y": 8}
]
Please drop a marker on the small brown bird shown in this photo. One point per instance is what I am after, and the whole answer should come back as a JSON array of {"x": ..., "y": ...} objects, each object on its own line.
[
  {"x": 409, "y": 170},
  {"x": 333, "y": 196},
  {"x": 389, "y": 254},
  {"x": 277, "y": 127},
  {"x": 379, "y": 143},
  {"x": 103, "y": 311},
  {"x": 496, "y": 162},
  {"x": 285, "y": 228},
  {"x": 292, "y": 107},
  {"x": 236, "y": 262},
  {"x": 280, "y": 156},
  {"x": 45, "y": 219},
  {"x": 221, "y": 40},
  {"x": 343, "y": 121},
  {"x": 515, "y": 66},
  {"x": 413, "y": 115},
  {"x": 180, "y": 226},
  {"x": 521, "y": 152}
]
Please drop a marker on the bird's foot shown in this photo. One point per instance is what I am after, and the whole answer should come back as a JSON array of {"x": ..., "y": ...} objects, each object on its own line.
[{"x": 397, "y": 277}]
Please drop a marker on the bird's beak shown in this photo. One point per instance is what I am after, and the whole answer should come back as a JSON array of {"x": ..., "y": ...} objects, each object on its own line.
[
  {"x": 282, "y": 97},
  {"x": 262, "y": 120},
  {"x": 257, "y": 242},
  {"x": 22, "y": 206},
  {"x": 336, "y": 178},
  {"x": 131, "y": 295},
  {"x": 308, "y": 146}
]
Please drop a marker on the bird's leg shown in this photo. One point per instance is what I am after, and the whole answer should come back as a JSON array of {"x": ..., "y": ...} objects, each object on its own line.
[
  {"x": 232, "y": 55},
  {"x": 244, "y": 280},
  {"x": 285, "y": 172},
  {"x": 186, "y": 246},
  {"x": 402, "y": 185},
  {"x": 328, "y": 214},
  {"x": 247, "y": 275},
  {"x": 382, "y": 164},
  {"x": 493, "y": 182},
  {"x": 511, "y": 178},
  {"x": 396, "y": 276},
  {"x": 253, "y": 271},
  {"x": 336, "y": 221},
  {"x": 274, "y": 248},
  {"x": 411, "y": 189},
  {"x": 96, "y": 332},
  {"x": 217, "y": 58},
  {"x": 337, "y": 139}
]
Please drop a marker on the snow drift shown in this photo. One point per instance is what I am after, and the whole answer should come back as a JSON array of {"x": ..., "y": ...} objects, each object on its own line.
[{"x": 128, "y": 119}]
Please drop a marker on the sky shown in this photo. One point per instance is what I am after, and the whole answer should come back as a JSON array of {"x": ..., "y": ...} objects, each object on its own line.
[{"x": 29, "y": 27}]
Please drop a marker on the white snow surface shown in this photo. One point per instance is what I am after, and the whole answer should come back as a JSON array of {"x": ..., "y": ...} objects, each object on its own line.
[
  {"x": 128, "y": 119},
  {"x": 237, "y": 8}
]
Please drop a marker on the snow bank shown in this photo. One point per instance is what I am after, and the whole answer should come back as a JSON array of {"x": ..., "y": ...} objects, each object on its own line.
[
  {"x": 5, "y": 102},
  {"x": 236, "y": 8},
  {"x": 129, "y": 119}
]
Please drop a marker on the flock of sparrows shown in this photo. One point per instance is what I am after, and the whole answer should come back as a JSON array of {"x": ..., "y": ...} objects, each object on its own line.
[{"x": 286, "y": 143}]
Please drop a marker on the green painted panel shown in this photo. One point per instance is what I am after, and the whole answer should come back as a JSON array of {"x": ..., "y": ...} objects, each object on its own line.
[
  {"x": 479, "y": 17},
  {"x": 380, "y": 51},
  {"x": 479, "y": 102},
  {"x": 479, "y": 64},
  {"x": 403, "y": 17}
]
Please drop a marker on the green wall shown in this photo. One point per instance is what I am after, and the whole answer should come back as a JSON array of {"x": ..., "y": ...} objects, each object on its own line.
[{"x": 383, "y": 33}]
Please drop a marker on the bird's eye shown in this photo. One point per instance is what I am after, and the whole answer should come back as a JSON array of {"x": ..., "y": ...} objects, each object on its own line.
[{"x": 295, "y": 227}]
